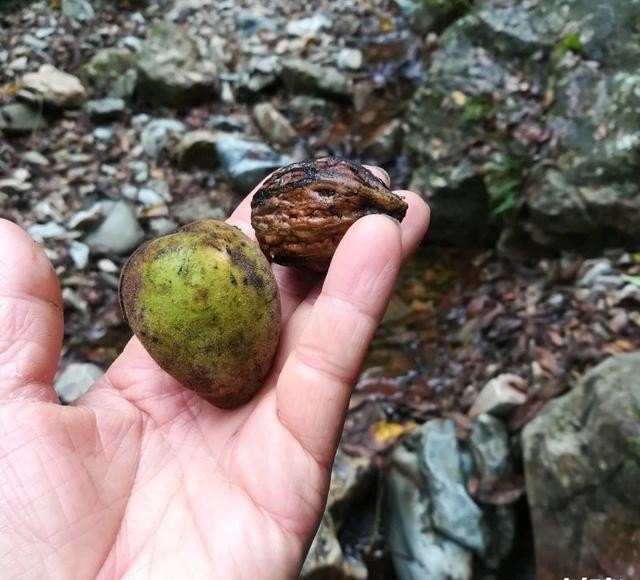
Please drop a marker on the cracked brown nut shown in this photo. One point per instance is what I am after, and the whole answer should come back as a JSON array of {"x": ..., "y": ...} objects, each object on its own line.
[{"x": 302, "y": 210}]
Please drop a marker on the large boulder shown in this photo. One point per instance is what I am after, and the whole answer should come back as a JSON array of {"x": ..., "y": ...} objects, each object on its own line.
[
  {"x": 582, "y": 466},
  {"x": 529, "y": 108},
  {"x": 176, "y": 69}
]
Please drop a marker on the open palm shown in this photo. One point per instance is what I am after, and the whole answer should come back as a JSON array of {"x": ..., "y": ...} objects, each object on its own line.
[{"x": 140, "y": 478}]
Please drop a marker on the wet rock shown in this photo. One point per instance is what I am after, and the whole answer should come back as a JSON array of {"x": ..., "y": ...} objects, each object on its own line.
[
  {"x": 53, "y": 87},
  {"x": 119, "y": 232},
  {"x": 275, "y": 126},
  {"x": 75, "y": 380},
  {"x": 500, "y": 396},
  {"x": 302, "y": 76},
  {"x": 435, "y": 528},
  {"x": 582, "y": 467},
  {"x": 20, "y": 118},
  {"x": 106, "y": 109},
  {"x": 14, "y": 186},
  {"x": 111, "y": 72},
  {"x": 80, "y": 10},
  {"x": 246, "y": 162},
  {"x": 175, "y": 69},
  {"x": 157, "y": 133},
  {"x": 197, "y": 150}
]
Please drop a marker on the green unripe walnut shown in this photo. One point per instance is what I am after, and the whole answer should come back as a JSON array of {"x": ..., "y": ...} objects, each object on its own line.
[{"x": 204, "y": 303}]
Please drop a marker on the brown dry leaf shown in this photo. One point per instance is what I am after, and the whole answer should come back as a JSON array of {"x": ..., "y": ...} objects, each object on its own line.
[{"x": 619, "y": 346}]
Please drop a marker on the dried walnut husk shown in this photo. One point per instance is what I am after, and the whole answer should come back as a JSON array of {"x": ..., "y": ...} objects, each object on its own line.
[{"x": 302, "y": 210}]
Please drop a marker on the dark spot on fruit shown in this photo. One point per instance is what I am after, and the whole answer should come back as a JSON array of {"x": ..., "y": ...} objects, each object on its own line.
[{"x": 240, "y": 260}]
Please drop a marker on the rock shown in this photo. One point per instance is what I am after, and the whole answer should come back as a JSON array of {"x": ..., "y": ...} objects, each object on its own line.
[
  {"x": 103, "y": 133},
  {"x": 120, "y": 231},
  {"x": 175, "y": 69},
  {"x": 349, "y": 59},
  {"x": 434, "y": 15},
  {"x": 435, "y": 529},
  {"x": 301, "y": 76},
  {"x": 274, "y": 124},
  {"x": 247, "y": 162},
  {"x": 41, "y": 232},
  {"x": 156, "y": 134},
  {"x": 20, "y": 118},
  {"x": 111, "y": 72},
  {"x": 80, "y": 10},
  {"x": 324, "y": 559},
  {"x": 86, "y": 218},
  {"x": 75, "y": 380},
  {"x": 106, "y": 109},
  {"x": 308, "y": 26},
  {"x": 582, "y": 467},
  {"x": 14, "y": 186},
  {"x": 500, "y": 396},
  {"x": 79, "y": 253},
  {"x": 526, "y": 109},
  {"x": 417, "y": 549},
  {"x": 53, "y": 87},
  {"x": 197, "y": 149},
  {"x": 35, "y": 158}
]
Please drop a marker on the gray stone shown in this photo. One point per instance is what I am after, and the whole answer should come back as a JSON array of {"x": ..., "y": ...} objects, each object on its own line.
[
  {"x": 582, "y": 467},
  {"x": 79, "y": 253},
  {"x": 350, "y": 477},
  {"x": 120, "y": 231},
  {"x": 454, "y": 513},
  {"x": 434, "y": 527},
  {"x": 14, "y": 186},
  {"x": 103, "y": 134},
  {"x": 86, "y": 218},
  {"x": 111, "y": 72},
  {"x": 35, "y": 158},
  {"x": 308, "y": 26},
  {"x": 247, "y": 162},
  {"x": 302, "y": 76},
  {"x": 105, "y": 109},
  {"x": 349, "y": 59},
  {"x": 21, "y": 118},
  {"x": 40, "y": 232},
  {"x": 500, "y": 396},
  {"x": 275, "y": 126},
  {"x": 433, "y": 15},
  {"x": 80, "y": 10},
  {"x": 197, "y": 149},
  {"x": 53, "y": 87},
  {"x": 175, "y": 69},
  {"x": 156, "y": 134},
  {"x": 75, "y": 380},
  {"x": 417, "y": 549}
]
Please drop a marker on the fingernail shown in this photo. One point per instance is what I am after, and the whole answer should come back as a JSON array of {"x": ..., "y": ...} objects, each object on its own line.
[{"x": 380, "y": 173}]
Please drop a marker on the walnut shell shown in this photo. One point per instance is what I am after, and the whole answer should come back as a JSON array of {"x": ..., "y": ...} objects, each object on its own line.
[{"x": 302, "y": 210}]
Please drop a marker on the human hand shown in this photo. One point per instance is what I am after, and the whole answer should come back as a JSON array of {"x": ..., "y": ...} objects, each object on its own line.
[{"x": 141, "y": 478}]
